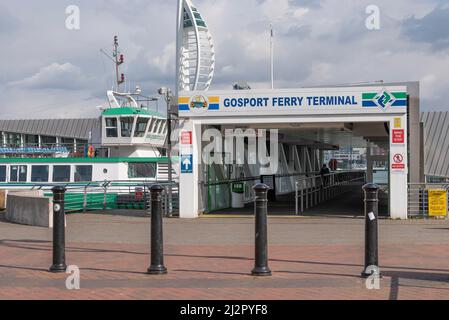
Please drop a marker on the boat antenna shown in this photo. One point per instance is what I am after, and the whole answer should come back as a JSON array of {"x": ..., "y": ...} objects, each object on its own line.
[{"x": 118, "y": 59}]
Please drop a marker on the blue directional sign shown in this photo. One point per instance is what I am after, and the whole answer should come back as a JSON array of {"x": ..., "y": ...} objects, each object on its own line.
[{"x": 187, "y": 163}]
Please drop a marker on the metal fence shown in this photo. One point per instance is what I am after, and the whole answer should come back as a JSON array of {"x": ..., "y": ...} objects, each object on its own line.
[
  {"x": 418, "y": 199},
  {"x": 49, "y": 150},
  {"x": 114, "y": 195},
  {"x": 218, "y": 195},
  {"x": 311, "y": 191},
  {"x": 310, "y": 188}
]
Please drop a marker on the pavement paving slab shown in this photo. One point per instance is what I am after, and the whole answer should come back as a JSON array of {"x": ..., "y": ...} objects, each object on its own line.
[{"x": 312, "y": 258}]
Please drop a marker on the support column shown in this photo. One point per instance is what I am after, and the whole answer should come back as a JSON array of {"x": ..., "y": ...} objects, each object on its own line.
[
  {"x": 321, "y": 157},
  {"x": 190, "y": 182},
  {"x": 398, "y": 172},
  {"x": 369, "y": 163}
]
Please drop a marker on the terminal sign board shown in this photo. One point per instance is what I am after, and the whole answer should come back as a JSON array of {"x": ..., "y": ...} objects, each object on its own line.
[
  {"x": 437, "y": 202},
  {"x": 355, "y": 100}
]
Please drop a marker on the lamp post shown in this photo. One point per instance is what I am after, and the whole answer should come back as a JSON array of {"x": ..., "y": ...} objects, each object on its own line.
[{"x": 166, "y": 92}]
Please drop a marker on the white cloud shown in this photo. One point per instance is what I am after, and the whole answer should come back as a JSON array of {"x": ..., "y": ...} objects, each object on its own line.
[
  {"x": 317, "y": 43},
  {"x": 164, "y": 61},
  {"x": 55, "y": 76}
]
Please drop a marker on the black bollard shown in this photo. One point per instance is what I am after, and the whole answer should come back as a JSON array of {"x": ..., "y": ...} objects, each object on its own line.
[
  {"x": 157, "y": 246},
  {"x": 260, "y": 205},
  {"x": 371, "y": 191},
  {"x": 58, "y": 230}
]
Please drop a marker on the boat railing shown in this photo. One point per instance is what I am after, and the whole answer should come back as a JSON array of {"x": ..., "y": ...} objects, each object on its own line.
[
  {"x": 47, "y": 149},
  {"x": 113, "y": 195}
]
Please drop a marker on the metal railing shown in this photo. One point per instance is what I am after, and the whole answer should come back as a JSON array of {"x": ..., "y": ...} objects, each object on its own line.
[
  {"x": 46, "y": 149},
  {"x": 418, "y": 199},
  {"x": 112, "y": 195},
  {"x": 311, "y": 191},
  {"x": 218, "y": 194}
]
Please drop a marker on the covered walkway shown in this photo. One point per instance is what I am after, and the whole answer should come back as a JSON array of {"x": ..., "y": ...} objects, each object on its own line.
[{"x": 348, "y": 204}]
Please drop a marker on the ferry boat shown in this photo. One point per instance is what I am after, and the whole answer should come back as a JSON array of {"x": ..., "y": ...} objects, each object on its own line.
[{"x": 128, "y": 147}]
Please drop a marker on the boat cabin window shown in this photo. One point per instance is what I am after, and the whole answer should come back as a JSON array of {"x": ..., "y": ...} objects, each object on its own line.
[
  {"x": 111, "y": 127},
  {"x": 141, "y": 127},
  {"x": 161, "y": 128},
  {"x": 126, "y": 124},
  {"x": 154, "y": 126},
  {"x": 2, "y": 173},
  {"x": 83, "y": 173},
  {"x": 61, "y": 173},
  {"x": 39, "y": 173},
  {"x": 18, "y": 173},
  {"x": 142, "y": 170}
]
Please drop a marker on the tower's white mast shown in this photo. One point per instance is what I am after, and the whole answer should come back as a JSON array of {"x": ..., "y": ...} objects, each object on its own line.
[
  {"x": 272, "y": 55},
  {"x": 179, "y": 29},
  {"x": 195, "y": 52}
]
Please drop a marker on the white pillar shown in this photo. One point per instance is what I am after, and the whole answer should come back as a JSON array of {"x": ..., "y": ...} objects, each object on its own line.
[
  {"x": 398, "y": 175},
  {"x": 189, "y": 183}
]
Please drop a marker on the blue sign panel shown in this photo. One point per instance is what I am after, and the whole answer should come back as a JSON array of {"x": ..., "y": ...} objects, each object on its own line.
[{"x": 187, "y": 163}]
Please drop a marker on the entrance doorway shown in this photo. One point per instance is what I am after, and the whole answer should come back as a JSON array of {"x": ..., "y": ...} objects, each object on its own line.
[{"x": 354, "y": 153}]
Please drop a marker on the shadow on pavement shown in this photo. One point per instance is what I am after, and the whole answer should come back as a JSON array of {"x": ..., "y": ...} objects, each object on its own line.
[
  {"x": 22, "y": 268},
  {"x": 212, "y": 272},
  {"x": 122, "y": 213},
  {"x": 420, "y": 276},
  {"x": 48, "y": 247}
]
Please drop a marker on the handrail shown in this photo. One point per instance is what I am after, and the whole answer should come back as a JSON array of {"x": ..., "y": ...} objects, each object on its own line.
[
  {"x": 100, "y": 184},
  {"x": 311, "y": 193},
  {"x": 255, "y": 178},
  {"x": 418, "y": 198}
]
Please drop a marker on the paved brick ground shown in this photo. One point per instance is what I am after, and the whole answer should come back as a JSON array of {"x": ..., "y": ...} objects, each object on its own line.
[{"x": 212, "y": 259}]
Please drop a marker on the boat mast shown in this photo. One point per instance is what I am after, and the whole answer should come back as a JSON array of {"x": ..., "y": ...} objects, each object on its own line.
[{"x": 118, "y": 59}]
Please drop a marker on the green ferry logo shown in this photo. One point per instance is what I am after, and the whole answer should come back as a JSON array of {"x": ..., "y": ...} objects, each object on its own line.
[{"x": 384, "y": 99}]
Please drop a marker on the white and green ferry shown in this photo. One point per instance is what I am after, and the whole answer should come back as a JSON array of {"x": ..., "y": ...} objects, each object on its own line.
[{"x": 126, "y": 149}]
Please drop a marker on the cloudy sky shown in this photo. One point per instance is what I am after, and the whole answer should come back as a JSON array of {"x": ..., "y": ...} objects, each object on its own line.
[{"x": 47, "y": 70}]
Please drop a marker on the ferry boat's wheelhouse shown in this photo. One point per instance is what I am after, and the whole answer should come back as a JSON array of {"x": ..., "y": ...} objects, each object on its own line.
[{"x": 133, "y": 132}]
